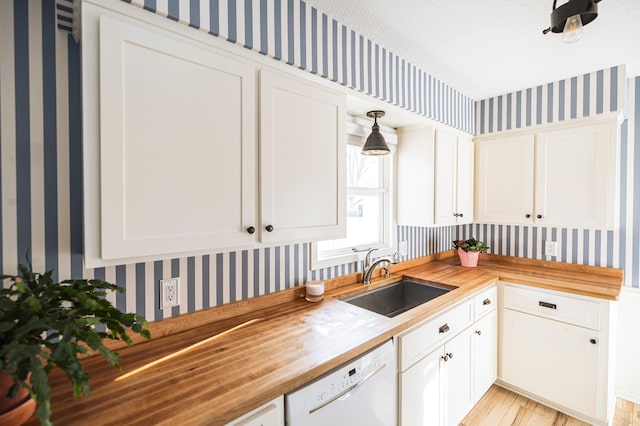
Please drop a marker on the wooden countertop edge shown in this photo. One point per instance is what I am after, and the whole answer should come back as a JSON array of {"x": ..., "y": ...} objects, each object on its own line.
[{"x": 442, "y": 267}]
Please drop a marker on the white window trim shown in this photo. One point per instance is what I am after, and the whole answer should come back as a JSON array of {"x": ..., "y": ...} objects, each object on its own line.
[{"x": 358, "y": 127}]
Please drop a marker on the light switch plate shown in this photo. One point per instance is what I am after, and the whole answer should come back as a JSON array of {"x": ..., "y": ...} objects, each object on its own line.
[{"x": 551, "y": 248}]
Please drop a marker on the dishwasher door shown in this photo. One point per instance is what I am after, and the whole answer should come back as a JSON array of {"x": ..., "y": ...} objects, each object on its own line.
[{"x": 361, "y": 392}]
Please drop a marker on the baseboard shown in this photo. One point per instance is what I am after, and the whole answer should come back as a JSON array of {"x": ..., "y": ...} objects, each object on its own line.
[
  {"x": 551, "y": 404},
  {"x": 628, "y": 396}
]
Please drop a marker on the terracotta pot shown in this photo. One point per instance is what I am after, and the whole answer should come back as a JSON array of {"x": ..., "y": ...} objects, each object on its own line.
[
  {"x": 468, "y": 258},
  {"x": 17, "y": 410}
]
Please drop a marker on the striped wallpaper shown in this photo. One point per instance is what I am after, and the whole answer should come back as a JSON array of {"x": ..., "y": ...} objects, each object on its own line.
[
  {"x": 41, "y": 166},
  {"x": 422, "y": 241},
  {"x": 293, "y": 32},
  {"x": 582, "y": 96}
]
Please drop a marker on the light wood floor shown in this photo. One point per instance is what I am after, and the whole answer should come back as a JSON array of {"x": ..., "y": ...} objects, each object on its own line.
[{"x": 500, "y": 407}]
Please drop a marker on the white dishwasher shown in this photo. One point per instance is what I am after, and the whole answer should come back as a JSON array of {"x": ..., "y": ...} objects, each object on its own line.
[{"x": 361, "y": 392}]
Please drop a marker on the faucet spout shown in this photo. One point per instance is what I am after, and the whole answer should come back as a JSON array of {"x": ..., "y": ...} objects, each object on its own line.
[{"x": 366, "y": 276}]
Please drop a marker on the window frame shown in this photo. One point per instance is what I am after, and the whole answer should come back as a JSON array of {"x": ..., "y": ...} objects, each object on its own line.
[{"x": 357, "y": 130}]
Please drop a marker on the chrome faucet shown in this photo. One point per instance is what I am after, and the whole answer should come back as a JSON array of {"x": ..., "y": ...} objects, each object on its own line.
[{"x": 369, "y": 266}]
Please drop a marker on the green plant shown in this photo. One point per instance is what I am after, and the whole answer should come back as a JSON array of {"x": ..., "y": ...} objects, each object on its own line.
[
  {"x": 45, "y": 324},
  {"x": 470, "y": 245}
]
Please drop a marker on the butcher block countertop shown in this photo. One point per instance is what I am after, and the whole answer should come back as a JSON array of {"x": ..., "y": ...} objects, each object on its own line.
[{"x": 213, "y": 366}]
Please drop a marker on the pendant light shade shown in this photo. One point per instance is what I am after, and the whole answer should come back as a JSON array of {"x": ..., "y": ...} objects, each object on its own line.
[
  {"x": 570, "y": 17},
  {"x": 375, "y": 144}
]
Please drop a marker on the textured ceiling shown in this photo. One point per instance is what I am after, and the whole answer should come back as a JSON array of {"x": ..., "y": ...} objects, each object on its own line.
[{"x": 490, "y": 47}]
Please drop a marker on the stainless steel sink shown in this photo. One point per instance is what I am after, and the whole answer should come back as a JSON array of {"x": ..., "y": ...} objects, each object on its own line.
[{"x": 397, "y": 298}]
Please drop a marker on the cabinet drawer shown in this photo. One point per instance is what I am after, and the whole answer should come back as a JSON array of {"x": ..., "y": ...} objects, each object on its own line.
[
  {"x": 421, "y": 340},
  {"x": 554, "y": 305},
  {"x": 269, "y": 414},
  {"x": 485, "y": 301}
]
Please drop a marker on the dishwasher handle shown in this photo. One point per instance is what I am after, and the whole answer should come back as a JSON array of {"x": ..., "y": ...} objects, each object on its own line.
[{"x": 349, "y": 389}]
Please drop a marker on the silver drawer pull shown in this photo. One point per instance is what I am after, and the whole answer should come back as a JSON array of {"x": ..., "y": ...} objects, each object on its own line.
[
  {"x": 486, "y": 302},
  {"x": 443, "y": 329},
  {"x": 547, "y": 305}
]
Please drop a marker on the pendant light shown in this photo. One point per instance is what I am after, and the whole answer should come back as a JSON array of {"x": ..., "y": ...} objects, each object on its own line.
[
  {"x": 570, "y": 17},
  {"x": 375, "y": 144}
]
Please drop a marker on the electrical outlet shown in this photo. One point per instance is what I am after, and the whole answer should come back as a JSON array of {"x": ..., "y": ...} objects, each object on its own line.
[
  {"x": 169, "y": 292},
  {"x": 550, "y": 248},
  {"x": 402, "y": 248}
]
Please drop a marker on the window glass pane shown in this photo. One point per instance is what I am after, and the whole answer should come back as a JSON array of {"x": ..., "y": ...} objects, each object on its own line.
[
  {"x": 362, "y": 170},
  {"x": 363, "y": 223}
]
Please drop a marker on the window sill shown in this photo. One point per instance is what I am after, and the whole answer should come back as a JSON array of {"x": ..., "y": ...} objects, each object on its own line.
[{"x": 341, "y": 259}]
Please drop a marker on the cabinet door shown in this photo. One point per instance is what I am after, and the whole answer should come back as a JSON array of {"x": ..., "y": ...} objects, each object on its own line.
[
  {"x": 504, "y": 179},
  {"x": 457, "y": 377},
  {"x": 416, "y": 176},
  {"x": 177, "y": 145},
  {"x": 485, "y": 354},
  {"x": 445, "y": 178},
  {"x": 420, "y": 392},
  {"x": 572, "y": 169},
  {"x": 551, "y": 359},
  {"x": 302, "y": 141},
  {"x": 269, "y": 414},
  {"x": 464, "y": 186}
]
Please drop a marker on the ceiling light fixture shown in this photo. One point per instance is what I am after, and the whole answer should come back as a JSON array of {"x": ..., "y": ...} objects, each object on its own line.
[
  {"x": 375, "y": 144},
  {"x": 570, "y": 17}
]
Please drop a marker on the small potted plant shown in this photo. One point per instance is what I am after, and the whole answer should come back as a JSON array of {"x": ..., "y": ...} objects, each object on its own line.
[
  {"x": 45, "y": 324},
  {"x": 469, "y": 251}
]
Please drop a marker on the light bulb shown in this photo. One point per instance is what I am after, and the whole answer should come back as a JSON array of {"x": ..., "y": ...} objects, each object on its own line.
[{"x": 572, "y": 29}]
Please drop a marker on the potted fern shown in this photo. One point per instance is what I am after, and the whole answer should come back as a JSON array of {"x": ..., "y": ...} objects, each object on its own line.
[{"x": 44, "y": 323}]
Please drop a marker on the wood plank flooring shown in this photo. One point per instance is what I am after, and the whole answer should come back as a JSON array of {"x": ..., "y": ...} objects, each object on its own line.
[{"x": 501, "y": 407}]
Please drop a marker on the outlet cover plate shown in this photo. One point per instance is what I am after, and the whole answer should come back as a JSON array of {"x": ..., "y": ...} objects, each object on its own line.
[
  {"x": 169, "y": 292},
  {"x": 402, "y": 248},
  {"x": 550, "y": 248}
]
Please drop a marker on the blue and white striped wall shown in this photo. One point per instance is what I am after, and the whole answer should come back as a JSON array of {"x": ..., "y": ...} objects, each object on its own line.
[
  {"x": 41, "y": 146},
  {"x": 582, "y": 96},
  {"x": 422, "y": 241},
  {"x": 302, "y": 36}
]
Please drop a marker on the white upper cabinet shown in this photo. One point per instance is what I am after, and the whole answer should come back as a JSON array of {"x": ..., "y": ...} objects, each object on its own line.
[
  {"x": 176, "y": 166},
  {"x": 465, "y": 180},
  {"x": 572, "y": 177},
  {"x": 454, "y": 179},
  {"x": 174, "y": 161},
  {"x": 504, "y": 179},
  {"x": 435, "y": 177},
  {"x": 416, "y": 177},
  {"x": 302, "y": 157},
  {"x": 565, "y": 175}
]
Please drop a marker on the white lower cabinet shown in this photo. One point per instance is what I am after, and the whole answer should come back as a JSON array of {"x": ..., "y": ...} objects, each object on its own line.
[
  {"x": 485, "y": 354},
  {"x": 437, "y": 390},
  {"x": 556, "y": 348},
  {"x": 421, "y": 395},
  {"x": 269, "y": 414},
  {"x": 456, "y": 369},
  {"x": 442, "y": 386}
]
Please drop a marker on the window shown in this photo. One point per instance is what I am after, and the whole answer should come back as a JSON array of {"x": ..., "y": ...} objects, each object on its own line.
[{"x": 368, "y": 207}]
